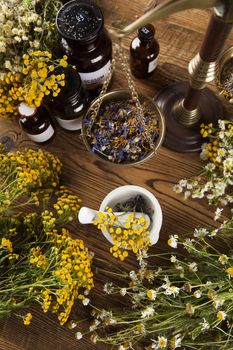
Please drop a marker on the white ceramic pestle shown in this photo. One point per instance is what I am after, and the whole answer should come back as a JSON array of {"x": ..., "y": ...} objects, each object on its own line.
[{"x": 87, "y": 216}]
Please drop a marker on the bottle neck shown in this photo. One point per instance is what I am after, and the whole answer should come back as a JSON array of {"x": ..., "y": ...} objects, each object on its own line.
[
  {"x": 146, "y": 42},
  {"x": 91, "y": 43}
]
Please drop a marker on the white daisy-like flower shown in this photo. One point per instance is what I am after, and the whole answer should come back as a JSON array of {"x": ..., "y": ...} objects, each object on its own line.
[
  {"x": 192, "y": 267},
  {"x": 204, "y": 325},
  {"x": 229, "y": 271},
  {"x": 78, "y": 335},
  {"x": 218, "y": 213},
  {"x": 183, "y": 182},
  {"x": 218, "y": 302},
  {"x": 85, "y": 301},
  {"x": 103, "y": 314},
  {"x": 200, "y": 232},
  {"x": 172, "y": 290},
  {"x": 228, "y": 163},
  {"x": 177, "y": 188},
  {"x": 223, "y": 259},
  {"x": 176, "y": 341},
  {"x": 108, "y": 288},
  {"x": 133, "y": 275},
  {"x": 213, "y": 233},
  {"x": 173, "y": 259},
  {"x": 72, "y": 324},
  {"x": 221, "y": 124},
  {"x": 172, "y": 242},
  {"x": 221, "y": 315},
  {"x": 151, "y": 294},
  {"x": 162, "y": 342},
  {"x": 121, "y": 347},
  {"x": 123, "y": 291},
  {"x": 149, "y": 311},
  {"x": 197, "y": 294},
  {"x": 210, "y": 167},
  {"x": 140, "y": 329}
]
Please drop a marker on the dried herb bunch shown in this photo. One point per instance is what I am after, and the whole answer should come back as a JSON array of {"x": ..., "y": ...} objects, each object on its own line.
[
  {"x": 215, "y": 180},
  {"x": 34, "y": 173},
  {"x": 185, "y": 299},
  {"x": 24, "y": 26},
  {"x": 40, "y": 77},
  {"x": 131, "y": 234},
  {"x": 39, "y": 260},
  {"x": 118, "y": 134}
]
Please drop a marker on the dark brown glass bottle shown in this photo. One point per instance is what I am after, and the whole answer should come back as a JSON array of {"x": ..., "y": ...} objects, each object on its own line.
[
  {"x": 85, "y": 41},
  {"x": 144, "y": 51},
  {"x": 36, "y": 123},
  {"x": 72, "y": 102}
]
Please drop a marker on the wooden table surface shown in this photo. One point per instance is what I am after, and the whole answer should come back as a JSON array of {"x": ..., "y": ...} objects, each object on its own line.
[{"x": 180, "y": 37}]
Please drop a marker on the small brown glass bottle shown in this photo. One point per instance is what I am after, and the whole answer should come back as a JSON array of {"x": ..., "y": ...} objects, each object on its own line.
[
  {"x": 85, "y": 41},
  {"x": 36, "y": 123},
  {"x": 72, "y": 102},
  {"x": 144, "y": 51}
]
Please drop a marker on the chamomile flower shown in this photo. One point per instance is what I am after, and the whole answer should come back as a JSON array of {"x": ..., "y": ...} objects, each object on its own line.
[
  {"x": 197, "y": 294},
  {"x": 78, "y": 335},
  {"x": 218, "y": 213},
  {"x": 172, "y": 242},
  {"x": 147, "y": 312},
  {"x": 223, "y": 259},
  {"x": 204, "y": 325},
  {"x": 151, "y": 294},
  {"x": 123, "y": 291},
  {"x": 221, "y": 315},
  {"x": 229, "y": 271},
  {"x": 162, "y": 342}
]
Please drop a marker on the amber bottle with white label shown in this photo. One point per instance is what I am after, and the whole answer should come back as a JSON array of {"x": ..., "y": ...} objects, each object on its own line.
[
  {"x": 36, "y": 123},
  {"x": 85, "y": 41},
  {"x": 144, "y": 51},
  {"x": 71, "y": 104}
]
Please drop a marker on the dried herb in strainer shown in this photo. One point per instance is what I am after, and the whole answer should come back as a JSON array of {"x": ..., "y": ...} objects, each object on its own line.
[{"x": 118, "y": 134}]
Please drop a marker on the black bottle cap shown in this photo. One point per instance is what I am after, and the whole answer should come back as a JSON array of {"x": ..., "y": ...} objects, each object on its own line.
[
  {"x": 147, "y": 32},
  {"x": 79, "y": 21}
]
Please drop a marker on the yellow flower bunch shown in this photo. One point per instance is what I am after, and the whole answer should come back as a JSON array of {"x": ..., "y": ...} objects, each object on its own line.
[
  {"x": 10, "y": 95},
  {"x": 40, "y": 77},
  {"x": 67, "y": 263},
  {"x": 52, "y": 268},
  {"x": 67, "y": 204},
  {"x": 206, "y": 130},
  {"x": 27, "y": 319},
  {"x": 73, "y": 271},
  {"x": 6, "y": 243},
  {"x": 32, "y": 169},
  {"x": 130, "y": 236},
  {"x": 67, "y": 207},
  {"x": 38, "y": 258}
]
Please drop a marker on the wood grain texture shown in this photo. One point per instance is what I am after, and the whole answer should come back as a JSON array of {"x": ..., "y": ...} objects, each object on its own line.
[{"x": 180, "y": 37}]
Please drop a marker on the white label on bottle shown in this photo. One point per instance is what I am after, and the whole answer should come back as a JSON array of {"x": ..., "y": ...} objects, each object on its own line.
[
  {"x": 152, "y": 65},
  {"x": 44, "y": 136},
  {"x": 90, "y": 80},
  {"x": 74, "y": 124}
]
